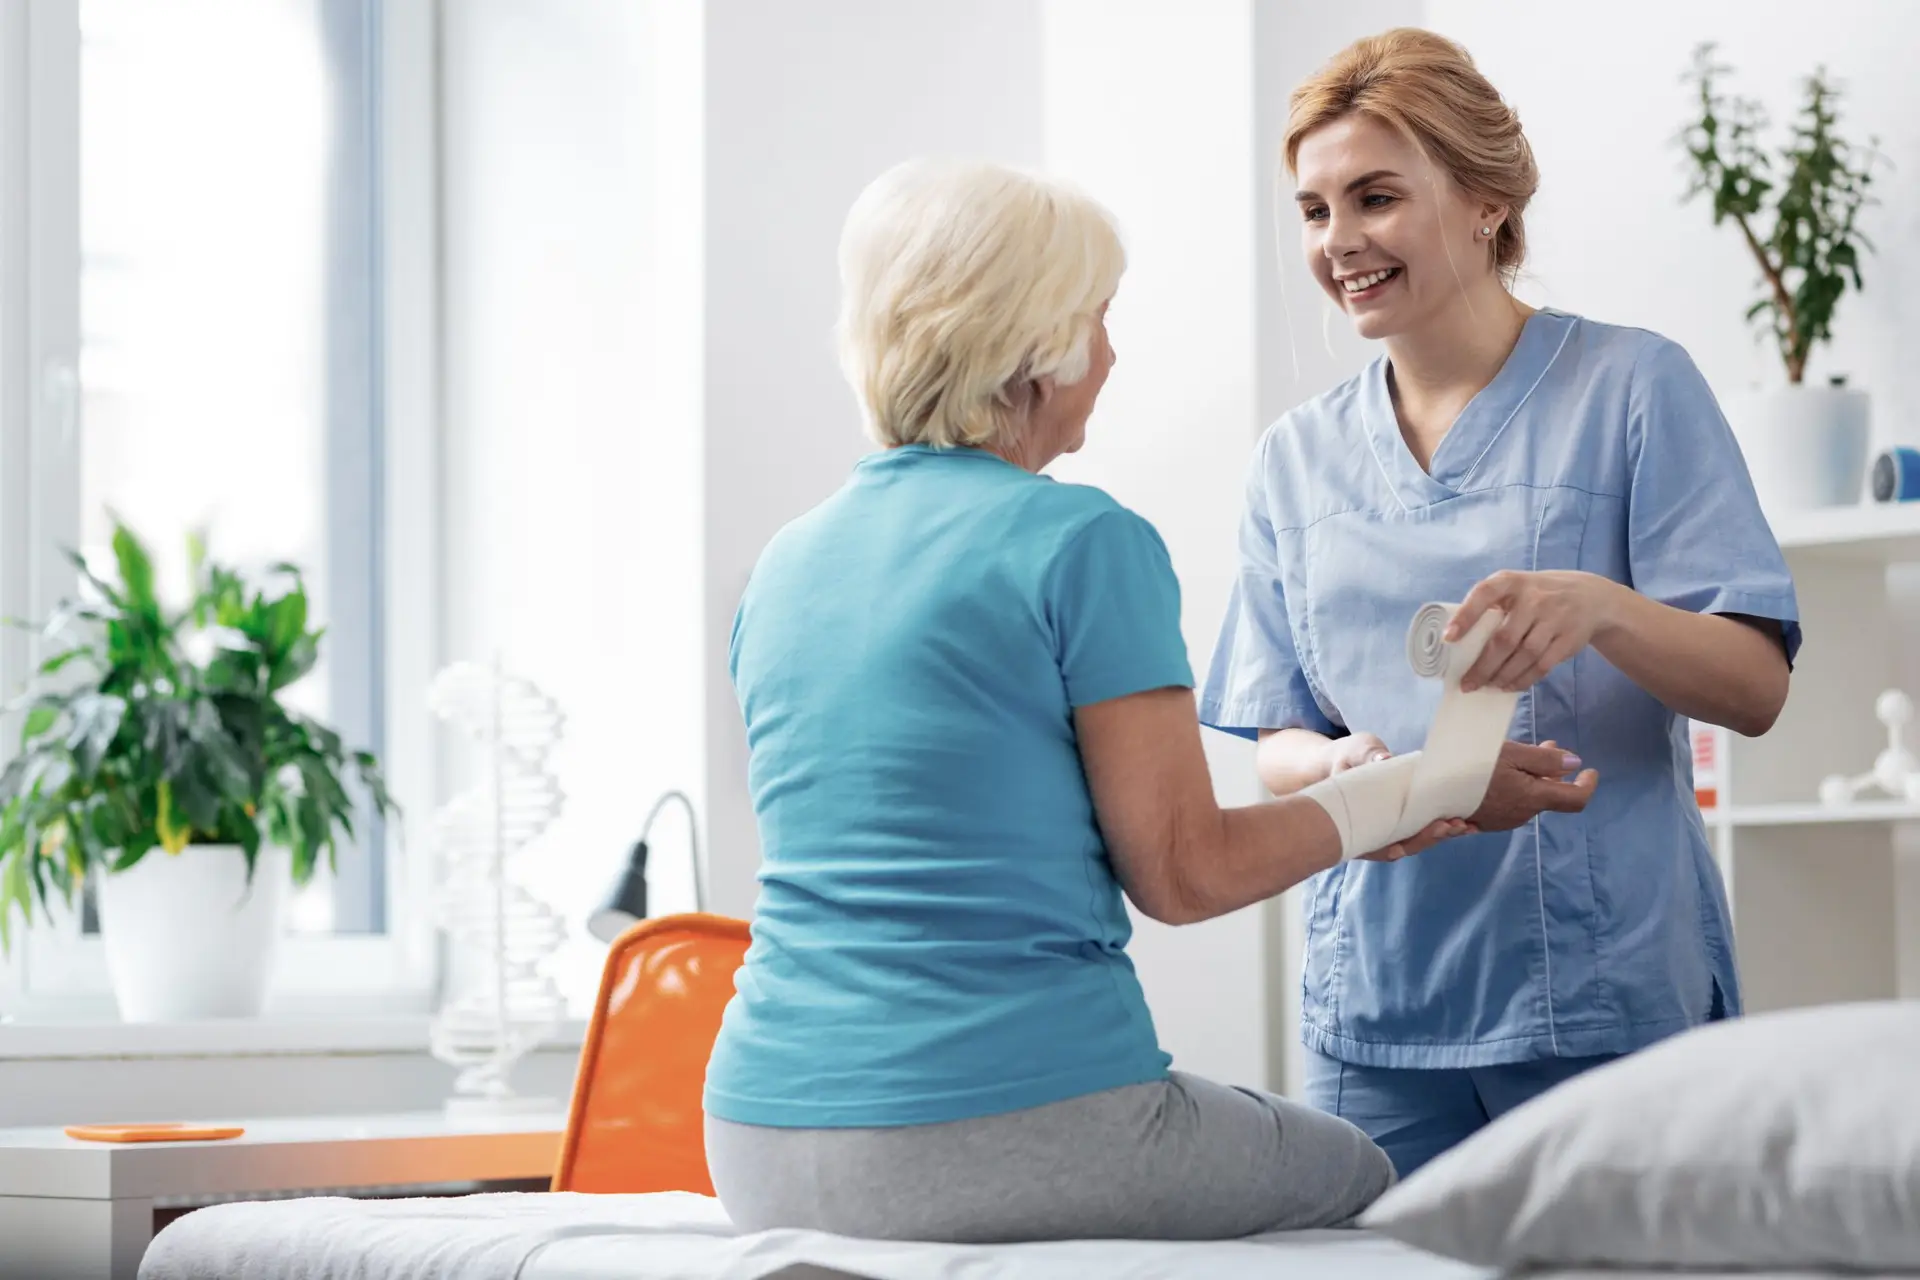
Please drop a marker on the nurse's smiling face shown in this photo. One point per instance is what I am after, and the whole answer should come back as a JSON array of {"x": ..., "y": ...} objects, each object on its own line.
[{"x": 1388, "y": 235}]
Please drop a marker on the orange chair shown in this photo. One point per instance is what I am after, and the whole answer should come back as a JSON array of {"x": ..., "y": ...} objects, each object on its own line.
[{"x": 636, "y": 1122}]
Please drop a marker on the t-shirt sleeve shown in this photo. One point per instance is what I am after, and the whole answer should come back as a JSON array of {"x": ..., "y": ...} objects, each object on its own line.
[
  {"x": 1256, "y": 681},
  {"x": 1114, "y": 605},
  {"x": 1696, "y": 536}
]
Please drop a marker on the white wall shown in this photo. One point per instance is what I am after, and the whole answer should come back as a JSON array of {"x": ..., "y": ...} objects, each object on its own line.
[
  {"x": 1610, "y": 236},
  {"x": 572, "y": 489},
  {"x": 805, "y": 103},
  {"x": 1172, "y": 432}
]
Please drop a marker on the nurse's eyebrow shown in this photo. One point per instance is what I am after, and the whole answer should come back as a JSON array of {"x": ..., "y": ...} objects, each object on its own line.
[{"x": 1365, "y": 179}]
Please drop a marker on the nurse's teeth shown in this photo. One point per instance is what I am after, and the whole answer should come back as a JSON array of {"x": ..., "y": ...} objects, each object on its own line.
[{"x": 1357, "y": 283}]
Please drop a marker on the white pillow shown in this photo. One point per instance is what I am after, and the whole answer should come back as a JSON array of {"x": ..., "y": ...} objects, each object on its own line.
[{"x": 1777, "y": 1140}]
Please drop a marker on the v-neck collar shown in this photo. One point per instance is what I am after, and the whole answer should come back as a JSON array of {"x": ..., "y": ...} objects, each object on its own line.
[{"x": 1479, "y": 425}]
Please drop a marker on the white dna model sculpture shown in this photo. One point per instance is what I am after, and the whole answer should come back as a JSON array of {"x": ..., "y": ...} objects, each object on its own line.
[
  {"x": 498, "y": 1004},
  {"x": 1895, "y": 770}
]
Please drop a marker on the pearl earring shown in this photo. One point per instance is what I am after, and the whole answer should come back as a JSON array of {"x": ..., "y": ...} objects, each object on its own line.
[{"x": 1486, "y": 231}]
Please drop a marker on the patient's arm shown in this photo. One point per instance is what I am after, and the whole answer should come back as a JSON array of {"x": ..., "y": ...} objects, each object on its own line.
[{"x": 1180, "y": 857}]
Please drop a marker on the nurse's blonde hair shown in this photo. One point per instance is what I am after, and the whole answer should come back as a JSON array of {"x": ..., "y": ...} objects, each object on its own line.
[
  {"x": 959, "y": 283},
  {"x": 1428, "y": 88}
]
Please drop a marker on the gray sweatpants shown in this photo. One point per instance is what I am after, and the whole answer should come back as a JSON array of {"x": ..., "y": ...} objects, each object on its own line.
[{"x": 1183, "y": 1159}]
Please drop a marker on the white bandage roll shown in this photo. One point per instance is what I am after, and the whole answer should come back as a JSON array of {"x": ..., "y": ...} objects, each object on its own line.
[
  {"x": 1367, "y": 801},
  {"x": 1463, "y": 742},
  {"x": 1386, "y": 801}
]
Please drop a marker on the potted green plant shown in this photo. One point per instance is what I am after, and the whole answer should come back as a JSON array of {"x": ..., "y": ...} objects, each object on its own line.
[
  {"x": 1797, "y": 210},
  {"x": 158, "y": 759}
]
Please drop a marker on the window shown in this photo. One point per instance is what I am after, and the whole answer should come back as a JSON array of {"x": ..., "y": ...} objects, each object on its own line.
[
  {"x": 202, "y": 221},
  {"x": 228, "y": 323}
]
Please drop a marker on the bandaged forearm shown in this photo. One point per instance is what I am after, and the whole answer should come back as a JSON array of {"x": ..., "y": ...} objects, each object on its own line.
[{"x": 1380, "y": 804}]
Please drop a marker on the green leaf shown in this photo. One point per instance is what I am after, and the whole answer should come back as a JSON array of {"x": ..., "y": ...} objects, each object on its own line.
[
  {"x": 325, "y": 740},
  {"x": 39, "y": 720},
  {"x": 196, "y": 554},
  {"x": 47, "y": 773},
  {"x": 52, "y": 666},
  {"x": 136, "y": 570},
  {"x": 375, "y": 782},
  {"x": 298, "y": 661},
  {"x": 15, "y": 891},
  {"x": 14, "y": 778},
  {"x": 79, "y": 562},
  {"x": 130, "y": 857},
  {"x": 196, "y": 798},
  {"x": 96, "y": 722},
  {"x": 286, "y": 621},
  {"x": 323, "y": 787}
]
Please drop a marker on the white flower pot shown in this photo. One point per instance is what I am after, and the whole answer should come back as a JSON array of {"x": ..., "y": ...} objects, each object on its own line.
[
  {"x": 1806, "y": 446},
  {"x": 187, "y": 938}
]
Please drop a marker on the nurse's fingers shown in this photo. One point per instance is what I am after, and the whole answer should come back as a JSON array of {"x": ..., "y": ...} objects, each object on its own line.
[
  {"x": 1509, "y": 639},
  {"x": 1432, "y": 834},
  {"x": 1546, "y": 760},
  {"x": 1541, "y": 651},
  {"x": 1486, "y": 593},
  {"x": 1567, "y": 797}
]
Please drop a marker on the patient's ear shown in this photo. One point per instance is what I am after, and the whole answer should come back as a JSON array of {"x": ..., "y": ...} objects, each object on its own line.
[{"x": 1043, "y": 389}]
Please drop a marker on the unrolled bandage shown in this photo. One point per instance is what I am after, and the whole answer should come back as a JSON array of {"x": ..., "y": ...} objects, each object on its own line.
[{"x": 1382, "y": 803}]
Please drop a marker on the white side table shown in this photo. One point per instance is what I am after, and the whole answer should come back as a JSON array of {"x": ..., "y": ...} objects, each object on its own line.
[{"x": 72, "y": 1210}]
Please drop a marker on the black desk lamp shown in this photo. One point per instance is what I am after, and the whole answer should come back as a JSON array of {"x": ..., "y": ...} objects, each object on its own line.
[{"x": 626, "y": 904}]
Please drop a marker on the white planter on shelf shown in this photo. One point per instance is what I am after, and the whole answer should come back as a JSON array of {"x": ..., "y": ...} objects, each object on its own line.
[
  {"x": 187, "y": 938},
  {"x": 1806, "y": 446}
]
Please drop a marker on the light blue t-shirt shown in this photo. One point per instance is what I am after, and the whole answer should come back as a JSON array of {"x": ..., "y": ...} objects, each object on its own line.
[
  {"x": 939, "y": 934},
  {"x": 1595, "y": 448}
]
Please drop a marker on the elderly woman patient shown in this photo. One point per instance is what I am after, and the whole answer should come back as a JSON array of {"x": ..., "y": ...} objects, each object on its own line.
[{"x": 972, "y": 729}]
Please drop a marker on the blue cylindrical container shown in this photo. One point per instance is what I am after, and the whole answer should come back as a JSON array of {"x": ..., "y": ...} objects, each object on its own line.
[{"x": 1896, "y": 475}]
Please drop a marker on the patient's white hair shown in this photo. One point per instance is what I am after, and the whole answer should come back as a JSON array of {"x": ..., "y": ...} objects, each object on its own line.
[{"x": 960, "y": 281}]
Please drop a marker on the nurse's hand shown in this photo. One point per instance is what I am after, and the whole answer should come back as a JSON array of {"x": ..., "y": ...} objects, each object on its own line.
[
  {"x": 1551, "y": 616},
  {"x": 1528, "y": 780},
  {"x": 1445, "y": 829}
]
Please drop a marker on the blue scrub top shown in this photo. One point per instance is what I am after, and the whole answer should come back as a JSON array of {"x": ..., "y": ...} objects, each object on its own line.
[{"x": 1595, "y": 448}]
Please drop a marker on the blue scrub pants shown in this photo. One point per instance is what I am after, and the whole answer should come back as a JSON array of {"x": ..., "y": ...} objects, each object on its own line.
[{"x": 1415, "y": 1113}]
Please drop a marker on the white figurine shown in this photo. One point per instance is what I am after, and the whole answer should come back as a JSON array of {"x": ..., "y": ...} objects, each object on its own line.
[{"x": 1895, "y": 770}]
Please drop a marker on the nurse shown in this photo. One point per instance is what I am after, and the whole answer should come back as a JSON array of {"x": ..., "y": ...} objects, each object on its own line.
[{"x": 1574, "y": 475}]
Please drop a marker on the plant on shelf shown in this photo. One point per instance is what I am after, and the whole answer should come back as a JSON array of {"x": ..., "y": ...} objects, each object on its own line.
[
  {"x": 1798, "y": 211},
  {"x": 151, "y": 731}
]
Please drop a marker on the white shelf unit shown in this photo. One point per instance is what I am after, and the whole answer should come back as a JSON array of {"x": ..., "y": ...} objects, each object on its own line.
[
  {"x": 1816, "y": 889},
  {"x": 1814, "y": 815}
]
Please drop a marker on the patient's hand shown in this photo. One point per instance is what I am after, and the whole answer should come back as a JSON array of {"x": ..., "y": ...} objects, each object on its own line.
[
  {"x": 1358, "y": 749},
  {"x": 1530, "y": 780},
  {"x": 1353, "y": 751}
]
